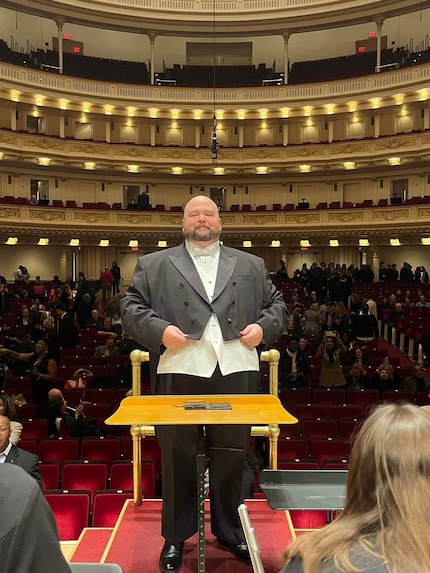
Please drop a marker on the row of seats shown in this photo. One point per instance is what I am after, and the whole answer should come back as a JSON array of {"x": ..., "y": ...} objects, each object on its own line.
[
  {"x": 87, "y": 449},
  {"x": 75, "y": 510},
  {"x": 93, "y": 476}
]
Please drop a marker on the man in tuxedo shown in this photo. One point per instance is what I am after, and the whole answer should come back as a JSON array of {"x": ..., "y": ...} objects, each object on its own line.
[
  {"x": 202, "y": 309},
  {"x": 10, "y": 454}
]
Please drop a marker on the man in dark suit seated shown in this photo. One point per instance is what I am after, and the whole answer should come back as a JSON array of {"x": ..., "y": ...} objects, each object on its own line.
[{"x": 10, "y": 454}]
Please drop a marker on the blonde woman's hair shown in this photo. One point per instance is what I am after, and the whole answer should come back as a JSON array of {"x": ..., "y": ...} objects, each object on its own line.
[{"x": 387, "y": 507}]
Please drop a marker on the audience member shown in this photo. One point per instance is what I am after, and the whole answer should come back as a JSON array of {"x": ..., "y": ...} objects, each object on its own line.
[
  {"x": 77, "y": 424},
  {"x": 419, "y": 381},
  {"x": 387, "y": 494},
  {"x": 116, "y": 273},
  {"x": 67, "y": 333},
  {"x": 11, "y": 454},
  {"x": 406, "y": 274},
  {"x": 42, "y": 368},
  {"x": 281, "y": 273},
  {"x": 293, "y": 366},
  {"x": 28, "y": 532},
  {"x": 330, "y": 352},
  {"x": 108, "y": 329},
  {"x": 106, "y": 281},
  {"x": 357, "y": 377},
  {"x": 4, "y": 299},
  {"x": 7, "y": 409},
  {"x": 364, "y": 326},
  {"x": 107, "y": 350},
  {"x": 310, "y": 322},
  {"x": 143, "y": 201},
  {"x": 421, "y": 276},
  {"x": 38, "y": 288},
  {"x": 422, "y": 302}
]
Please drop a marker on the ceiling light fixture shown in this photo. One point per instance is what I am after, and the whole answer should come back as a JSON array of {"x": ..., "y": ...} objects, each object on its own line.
[
  {"x": 305, "y": 243},
  {"x": 162, "y": 244},
  {"x": 104, "y": 243},
  {"x": 363, "y": 242},
  {"x": 43, "y": 242},
  {"x": 133, "y": 243},
  {"x": 12, "y": 241},
  {"x": 275, "y": 243},
  {"x": 74, "y": 243},
  {"x": 333, "y": 243},
  {"x": 247, "y": 244},
  {"x": 395, "y": 242}
]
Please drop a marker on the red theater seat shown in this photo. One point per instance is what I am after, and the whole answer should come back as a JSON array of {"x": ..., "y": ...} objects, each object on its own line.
[
  {"x": 107, "y": 507},
  {"x": 71, "y": 511},
  {"x": 84, "y": 476},
  {"x": 121, "y": 477}
]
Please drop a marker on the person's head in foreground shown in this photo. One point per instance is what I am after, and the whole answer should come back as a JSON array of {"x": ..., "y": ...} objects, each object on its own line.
[{"x": 384, "y": 527}]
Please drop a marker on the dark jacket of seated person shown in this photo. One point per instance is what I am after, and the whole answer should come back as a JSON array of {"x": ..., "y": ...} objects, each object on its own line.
[
  {"x": 13, "y": 455},
  {"x": 77, "y": 424}
]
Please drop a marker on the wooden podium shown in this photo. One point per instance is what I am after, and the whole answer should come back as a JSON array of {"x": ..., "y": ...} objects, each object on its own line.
[{"x": 161, "y": 410}]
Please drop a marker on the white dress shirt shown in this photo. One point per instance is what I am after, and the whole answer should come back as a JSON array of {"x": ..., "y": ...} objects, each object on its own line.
[
  {"x": 200, "y": 357},
  {"x": 4, "y": 454}
]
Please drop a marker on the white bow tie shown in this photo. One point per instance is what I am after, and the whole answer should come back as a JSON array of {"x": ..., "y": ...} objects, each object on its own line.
[{"x": 209, "y": 251}]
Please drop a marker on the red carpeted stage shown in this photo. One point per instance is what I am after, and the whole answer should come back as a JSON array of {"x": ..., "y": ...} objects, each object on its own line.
[{"x": 135, "y": 542}]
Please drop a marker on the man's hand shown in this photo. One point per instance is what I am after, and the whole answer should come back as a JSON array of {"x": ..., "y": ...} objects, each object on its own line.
[
  {"x": 79, "y": 410},
  {"x": 252, "y": 335},
  {"x": 173, "y": 337}
]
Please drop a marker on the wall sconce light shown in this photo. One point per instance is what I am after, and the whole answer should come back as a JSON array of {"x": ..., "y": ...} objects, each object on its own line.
[
  {"x": 304, "y": 168},
  {"x": 74, "y": 243},
  {"x": 90, "y": 165},
  {"x": 394, "y": 161},
  {"x": 247, "y": 244},
  {"x": 177, "y": 170},
  {"x": 425, "y": 240},
  {"x": 44, "y": 161},
  {"x": 363, "y": 242},
  {"x": 12, "y": 241},
  {"x": 348, "y": 165},
  {"x": 275, "y": 243},
  {"x": 218, "y": 170},
  {"x": 162, "y": 244},
  {"x": 104, "y": 243},
  {"x": 133, "y": 168},
  {"x": 261, "y": 170},
  {"x": 305, "y": 243},
  {"x": 1, "y": 154},
  {"x": 133, "y": 243},
  {"x": 43, "y": 242},
  {"x": 395, "y": 242},
  {"x": 333, "y": 243}
]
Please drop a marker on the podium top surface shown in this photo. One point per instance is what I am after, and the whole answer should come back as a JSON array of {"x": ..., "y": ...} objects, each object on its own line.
[{"x": 170, "y": 410}]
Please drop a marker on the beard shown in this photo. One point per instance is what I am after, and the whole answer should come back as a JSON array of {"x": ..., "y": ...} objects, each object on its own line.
[{"x": 202, "y": 234}]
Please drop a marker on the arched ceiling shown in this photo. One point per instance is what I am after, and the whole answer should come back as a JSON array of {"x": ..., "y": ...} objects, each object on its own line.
[{"x": 197, "y": 18}]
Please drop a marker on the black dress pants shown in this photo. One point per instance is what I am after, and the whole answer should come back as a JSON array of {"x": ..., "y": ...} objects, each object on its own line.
[{"x": 226, "y": 447}]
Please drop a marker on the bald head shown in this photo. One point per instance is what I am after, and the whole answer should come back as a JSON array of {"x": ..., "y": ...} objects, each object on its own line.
[
  {"x": 54, "y": 392},
  {"x": 201, "y": 222}
]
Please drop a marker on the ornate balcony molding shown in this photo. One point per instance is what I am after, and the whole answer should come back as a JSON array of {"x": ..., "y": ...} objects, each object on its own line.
[
  {"x": 54, "y": 87},
  {"x": 112, "y": 159},
  {"x": 407, "y": 221}
]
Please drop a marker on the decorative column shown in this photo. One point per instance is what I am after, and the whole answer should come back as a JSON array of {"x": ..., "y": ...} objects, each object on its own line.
[
  {"x": 285, "y": 133},
  {"x": 379, "y": 22},
  {"x": 197, "y": 131},
  {"x": 13, "y": 117},
  {"x": 63, "y": 264},
  {"x": 153, "y": 128},
  {"x": 286, "y": 35},
  {"x": 62, "y": 125},
  {"x": 377, "y": 124},
  {"x": 240, "y": 134},
  {"x": 60, "y": 23},
  {"x": 107, "y": 129},
  {"x": 426, "y": 118},
  {"x": 330, "y": 131},
  {"x": 152, "y": 37}
]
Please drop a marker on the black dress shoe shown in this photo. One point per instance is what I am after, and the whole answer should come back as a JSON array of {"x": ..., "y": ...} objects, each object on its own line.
[
  {"x": 239, "y": 550},
  {"x": 171, "y": 557}
]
